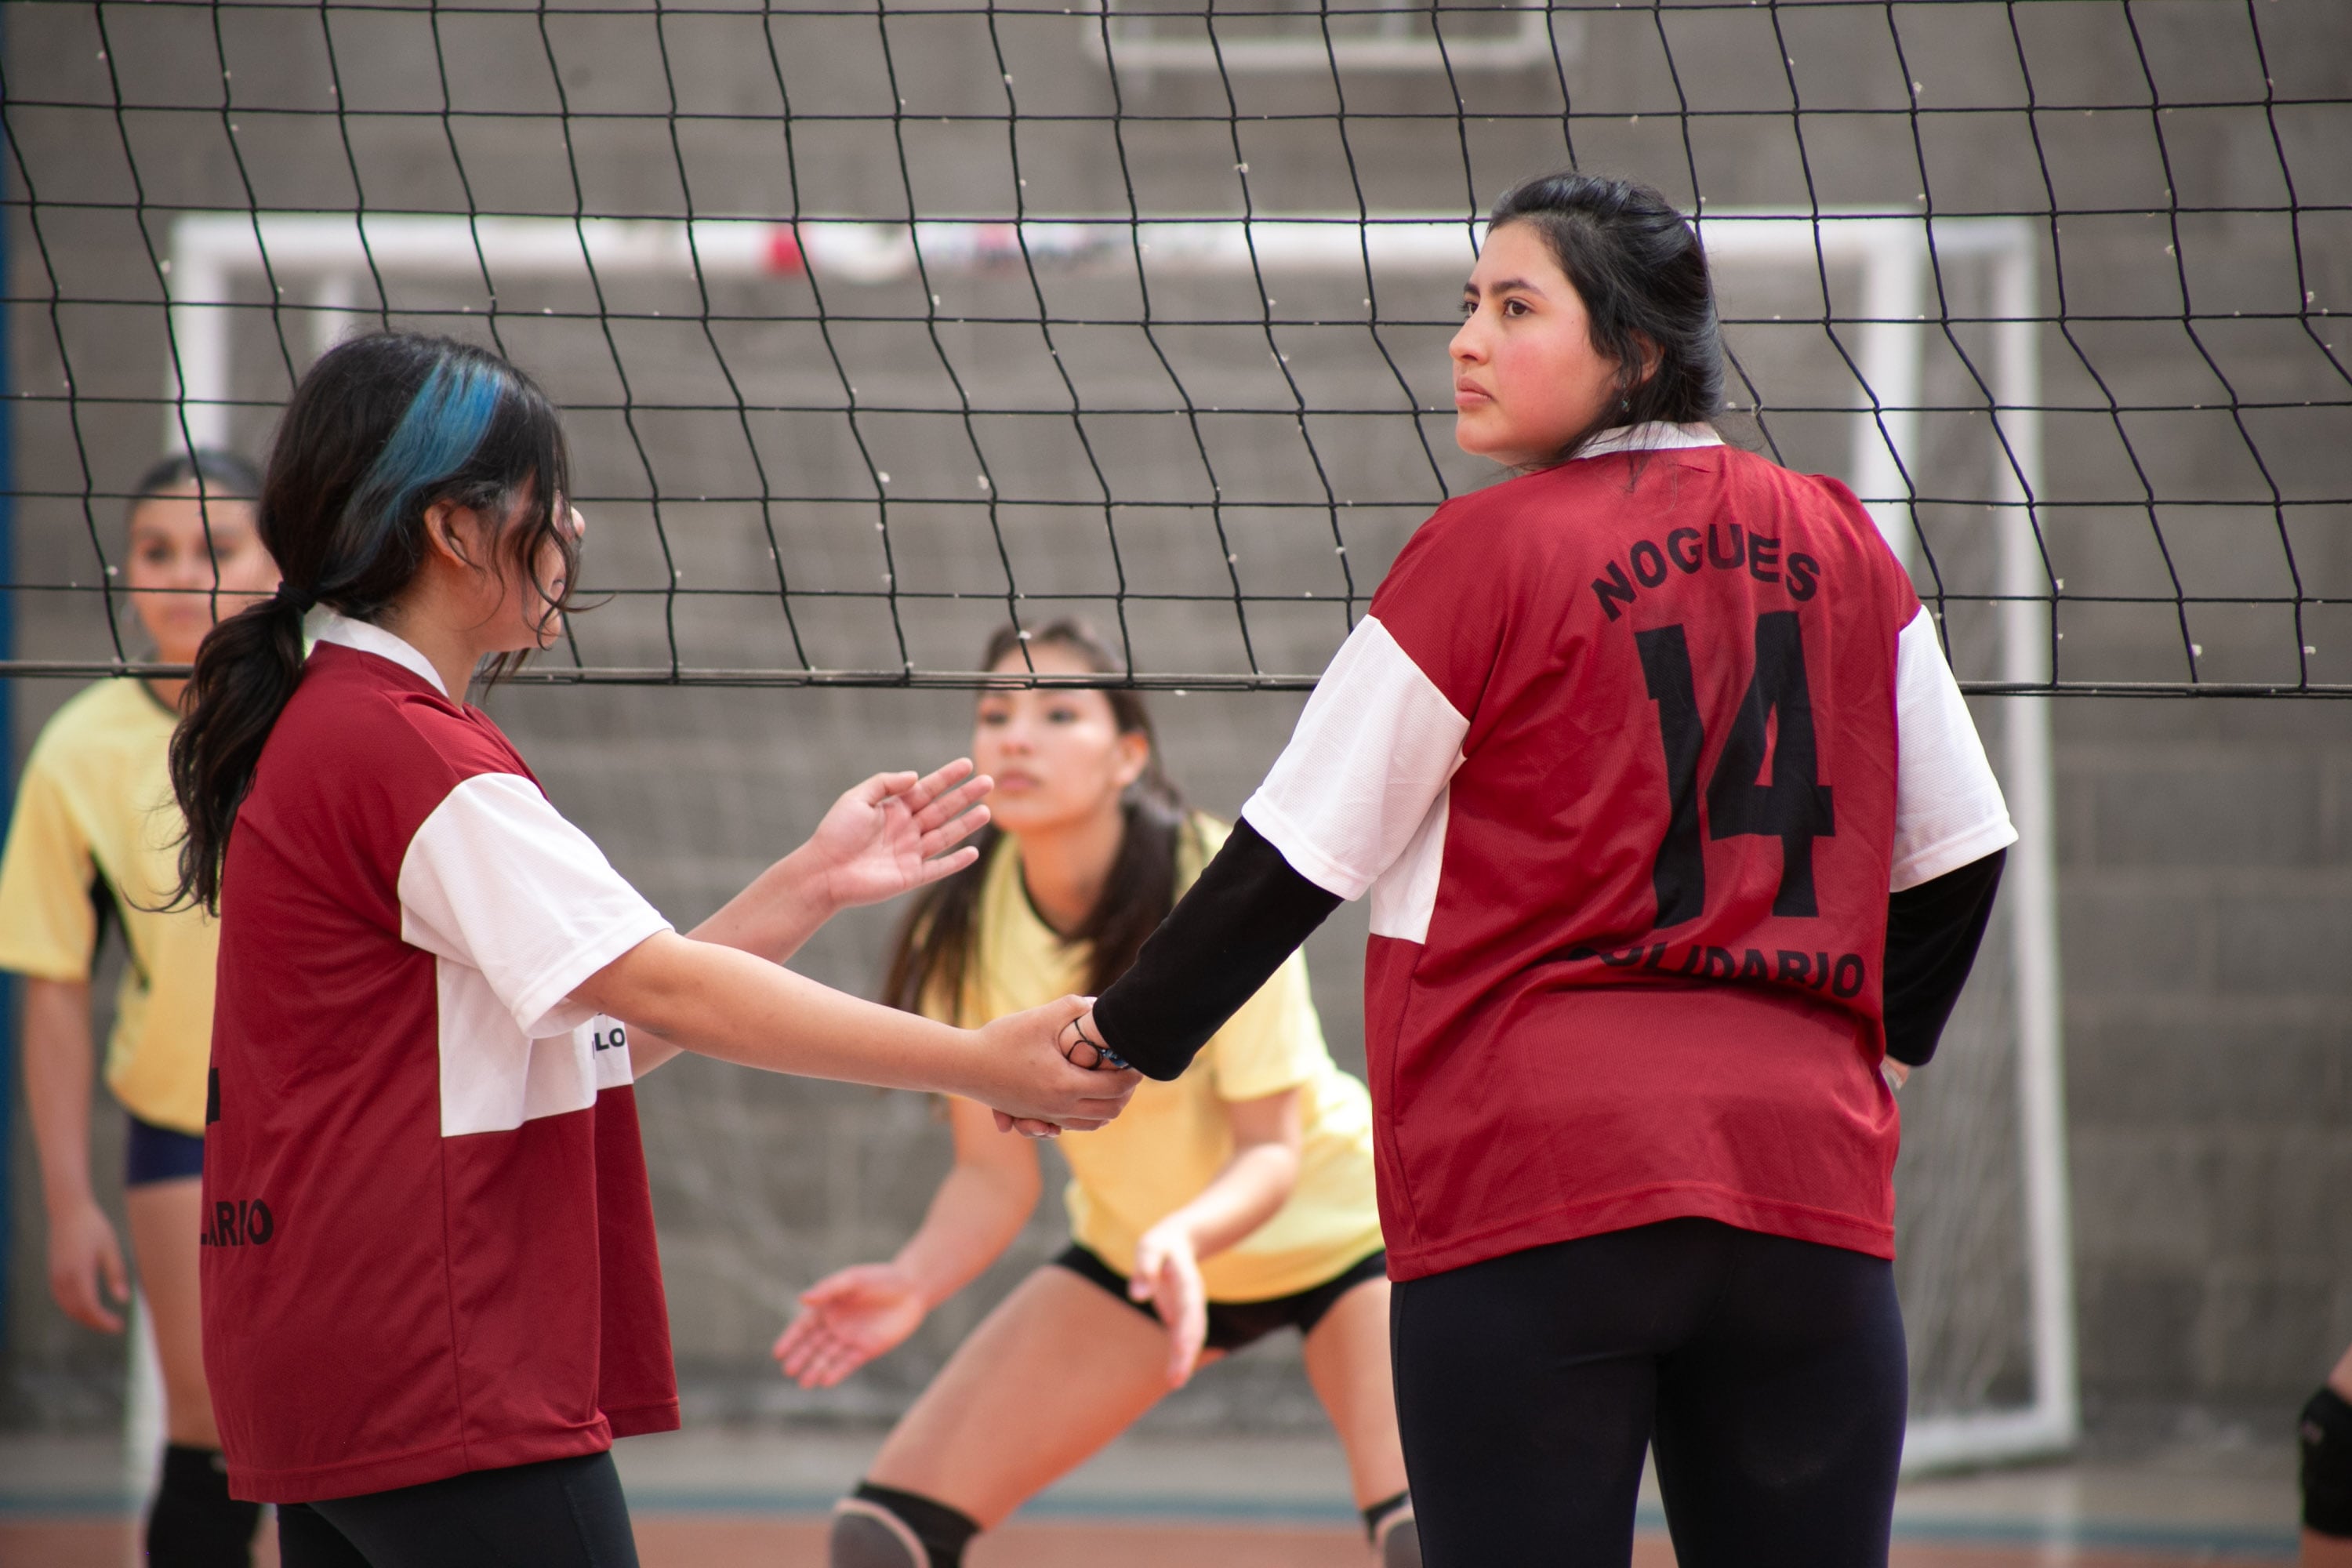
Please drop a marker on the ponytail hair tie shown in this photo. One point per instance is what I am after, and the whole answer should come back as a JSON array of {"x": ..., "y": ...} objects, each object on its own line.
[{"x": 295, "y": 598}]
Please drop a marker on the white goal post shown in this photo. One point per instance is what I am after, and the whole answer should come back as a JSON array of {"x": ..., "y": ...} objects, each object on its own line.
[{"x": 321, "y": 263}]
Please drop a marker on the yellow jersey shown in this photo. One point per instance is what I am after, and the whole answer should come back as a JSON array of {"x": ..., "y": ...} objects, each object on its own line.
[
  {"x": 1174, "y": 1138},
  {"x": 97, "y": 833}
]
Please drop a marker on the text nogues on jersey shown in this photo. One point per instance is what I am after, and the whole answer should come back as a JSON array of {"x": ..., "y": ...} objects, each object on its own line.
[{"x": 1720, "y": 546}]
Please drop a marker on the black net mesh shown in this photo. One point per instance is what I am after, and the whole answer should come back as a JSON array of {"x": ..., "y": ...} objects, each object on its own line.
[{"x": 880, "y": 323}]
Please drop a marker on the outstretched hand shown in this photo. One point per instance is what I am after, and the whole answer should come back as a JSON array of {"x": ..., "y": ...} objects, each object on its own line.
[
  {"x": 847, "y": 1318},
  {"x": 896, "y": 832}
]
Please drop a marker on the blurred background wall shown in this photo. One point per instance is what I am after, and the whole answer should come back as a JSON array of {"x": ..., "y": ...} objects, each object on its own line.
[{"x": 2205, "y": 847}]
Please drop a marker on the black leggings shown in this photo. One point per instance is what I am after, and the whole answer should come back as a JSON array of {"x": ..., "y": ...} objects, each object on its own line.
[
  {"x": 559, "y": 1513},
  {"x": 1768, "y": 1374}
]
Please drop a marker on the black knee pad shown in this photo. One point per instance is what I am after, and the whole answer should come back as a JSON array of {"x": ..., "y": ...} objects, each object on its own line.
[
  {"x": 194, "y": 1523},
  {"x": 1396, "y": 1538},
  {"x": 1399, "y": 1544},
  {"x": 2327, "y": 1433},
  {"x": 882, "y": 1527}
]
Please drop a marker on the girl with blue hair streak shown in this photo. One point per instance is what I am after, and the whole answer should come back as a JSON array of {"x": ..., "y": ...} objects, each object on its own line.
[{"x": 431, "y": 1296}]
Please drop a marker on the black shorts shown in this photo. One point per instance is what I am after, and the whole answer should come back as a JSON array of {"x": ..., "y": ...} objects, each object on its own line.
[
  {"x": 1233, "y": 1324},
  {"x": 152, "y": 1153}
]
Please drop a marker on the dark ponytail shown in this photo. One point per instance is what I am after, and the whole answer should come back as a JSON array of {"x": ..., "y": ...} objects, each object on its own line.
[
  {"x": 935, "y": 943},
  {"x": 381, "y": 428},
  {"x": 1639, "y": 267}
]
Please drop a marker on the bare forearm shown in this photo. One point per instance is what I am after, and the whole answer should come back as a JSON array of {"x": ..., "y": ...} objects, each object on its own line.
[
  {"x": 1247, "y": 1193},
  {"x": 972, "y": 1219},
  {"x": 777, "y": 914},
  {"x": 58, "y": 1056},
  {"x": 719, "y": 1002},
  {"x": 750, "y": 922}
]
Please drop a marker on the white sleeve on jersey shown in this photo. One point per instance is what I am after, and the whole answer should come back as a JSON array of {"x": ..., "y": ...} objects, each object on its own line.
[
  {"x": 496, "y": 882},
  {"x": 1949, "y": 809},
  {"x": 1358, "y": 796}
]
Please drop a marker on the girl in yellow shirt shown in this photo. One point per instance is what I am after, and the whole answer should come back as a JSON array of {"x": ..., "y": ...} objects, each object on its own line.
[
  {"x": 1236, "y": 1201},
  {"x": 94, "y": 841}
]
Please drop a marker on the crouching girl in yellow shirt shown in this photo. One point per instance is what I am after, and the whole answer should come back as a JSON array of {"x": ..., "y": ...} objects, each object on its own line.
[{"x": 1233, "y": 1202}]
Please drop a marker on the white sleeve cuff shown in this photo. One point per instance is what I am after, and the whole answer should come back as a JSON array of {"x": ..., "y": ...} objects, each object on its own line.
[
  {"x": 1372, "y": 752},
  {"x": 1949, "y": 809},
  {"x": 497, "y": 880}
]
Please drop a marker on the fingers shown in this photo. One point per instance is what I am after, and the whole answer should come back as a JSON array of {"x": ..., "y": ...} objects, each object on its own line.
[
  {"x": 1081, "y": 1043},
  {"x": 937, "y": 841},
  {"x": 85, "y": 1260},
  {"x": 946, "y": 864},
  {"x": 881, "y": 787},
  {"x": 833, "y": 1287},
  {"x": 1186, "y": 1339},
  {"x": 933, "y": 785},
  {"x": 836, "y": 1362},
  {"x": 1185, "y": 1309},
  {"x": 792, "y": 1348},
  {"x": 109, "y": 1263},
  {"x": 809, "y": 1344},
  {"x": 1085, "y": 1116},
  {"x": 76, "y": 1296},
  {"x": 816, "y": 1357},
  {"x": 928, "y": 797},
  {"x": 943, "y": 814}
]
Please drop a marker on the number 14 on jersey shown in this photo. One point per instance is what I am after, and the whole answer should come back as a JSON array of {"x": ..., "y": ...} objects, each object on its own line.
[{"x": 1795, "y": 807}]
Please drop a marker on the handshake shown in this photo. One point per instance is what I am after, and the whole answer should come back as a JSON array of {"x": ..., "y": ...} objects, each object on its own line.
[{"x": 1059, "y": 1075}]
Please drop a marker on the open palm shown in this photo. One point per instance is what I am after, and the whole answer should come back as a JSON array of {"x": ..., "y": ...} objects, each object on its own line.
[
  {"x": 847, "y": 1320},
  {"x": 895, "y": 832}
]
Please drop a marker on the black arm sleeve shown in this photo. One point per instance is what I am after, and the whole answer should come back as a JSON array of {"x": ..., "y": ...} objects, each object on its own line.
[
  {"x": 1932, "y": 933},
  {"x": 1247, "y": 913}
]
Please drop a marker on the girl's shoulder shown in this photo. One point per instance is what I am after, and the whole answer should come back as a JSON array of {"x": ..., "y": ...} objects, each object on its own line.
[
  {"x": 348, "y": 737},
  {"x": 106, "y": 712},
  {"x": 106, "y": 731}
]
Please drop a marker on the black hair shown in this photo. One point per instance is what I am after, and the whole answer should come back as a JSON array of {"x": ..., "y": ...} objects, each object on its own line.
[
  {"x": 1638, "y": 265},
  {"x": 217, "y": 474},
  {"x": 381, "y": 428},
  {"x": 932, "y": 953}
]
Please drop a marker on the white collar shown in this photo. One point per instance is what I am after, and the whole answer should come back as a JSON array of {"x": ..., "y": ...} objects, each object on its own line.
[
  {"x": 1657, "y": 436},
  {"x": 329, "y": 625}
]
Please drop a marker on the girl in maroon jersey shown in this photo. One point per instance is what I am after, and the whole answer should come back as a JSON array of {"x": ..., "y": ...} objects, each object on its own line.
[
  {"x": 1679, "y": 843},
  {"x": 430, "y": 1294}
]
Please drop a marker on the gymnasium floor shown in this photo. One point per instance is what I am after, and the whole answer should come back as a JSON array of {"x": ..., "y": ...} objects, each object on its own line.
[{"x": 717, "y": 1498}]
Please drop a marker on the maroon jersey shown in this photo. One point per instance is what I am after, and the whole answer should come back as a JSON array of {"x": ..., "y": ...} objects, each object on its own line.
[
  {"x": 1630, "y": 753},
  {"x": 429, "y": 1243}
]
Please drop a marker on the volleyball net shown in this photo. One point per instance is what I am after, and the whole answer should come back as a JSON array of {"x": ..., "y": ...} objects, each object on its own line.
[
  {"x": 880, "y": 324},
  {"x": 881, "y": 320}
]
